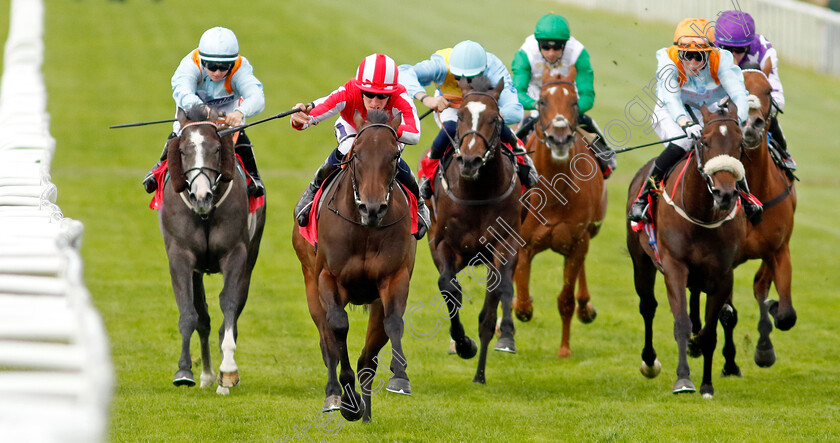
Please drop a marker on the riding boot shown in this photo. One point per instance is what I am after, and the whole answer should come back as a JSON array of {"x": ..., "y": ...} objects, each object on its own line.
[
  {"x": 604, "y": 154},
  {"x": 246, "y": 153},
  {"x": 425, "y": 191},
  {"x": 752, "y": 207},
  {"x": 779, "y": 137},
  {"x": 526, "y": 127},
  {"x": 527, "y": 172},
  {"x": 304, "y": 205},
  {"x": 406, "y": 178},
  {"x": 149, "y": 181},
  {"x": 639, "y": 210}
]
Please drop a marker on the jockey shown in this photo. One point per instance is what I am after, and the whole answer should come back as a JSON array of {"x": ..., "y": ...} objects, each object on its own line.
[
  {"x": 215, "y": 77},
  {"x": 691, "y": 70},
  {"x": 735, "y": 32},
  {"x": 445, "y": 68},
  {"x": 375, "y": 87},
  {"x": 552, "y": 45}
]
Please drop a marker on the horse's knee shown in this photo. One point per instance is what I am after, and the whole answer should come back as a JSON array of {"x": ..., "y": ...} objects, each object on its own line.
[{"x": 338, "y": 322}]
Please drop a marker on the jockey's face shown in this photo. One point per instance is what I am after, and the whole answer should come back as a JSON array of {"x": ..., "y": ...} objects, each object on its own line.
[
  {"x": 738, "y": 57},
  {"x": 374, "y": 101},
  {"x": 552, "y": 50},
  {"x": 217, "y": 75}
]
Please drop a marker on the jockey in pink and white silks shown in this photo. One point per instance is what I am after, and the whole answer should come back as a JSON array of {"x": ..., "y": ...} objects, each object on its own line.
[
  {"x": 445, "y": 68},
  {"x": 215, "y": 77},
  {"x": 735, "y": 32},
  {"x": 691, "y": 73},
  {"x": 375, "y": 87}
]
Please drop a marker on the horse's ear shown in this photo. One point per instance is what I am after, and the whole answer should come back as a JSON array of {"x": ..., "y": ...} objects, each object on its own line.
[
  {"x": 176, "y": 171},
  {"x": 464, "y": 85},
  {"x": 732, "y": 109},
  {"x": 707, "y": 115},
  {"x": 228, "y": 160},
  {"x": 546, "y": 75},
  {"x": 570, "y": 77},
  {"x": 181, "y": 116},
  {"x": 358, "y": 120},
  {"x": 768, "y": 67},
  {"x": 497, "y": 91},
  {"x": 396, "y": 121}
]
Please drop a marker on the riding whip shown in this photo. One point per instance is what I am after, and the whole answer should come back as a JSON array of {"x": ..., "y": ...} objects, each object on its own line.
[
  {"x": 128, "y": 125},
  {"x": 227, "y": 131},
  {"x": 618, "y": 151}
]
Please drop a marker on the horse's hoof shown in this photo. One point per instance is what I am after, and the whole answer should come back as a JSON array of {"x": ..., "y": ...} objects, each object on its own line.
[
  {"x": 524, "y": 315},
  {"x": 588, "y": 314},
  {"x": 506, "y": 344},
  {"x": 479, "y": 379},
  {"x": 466, "y": 349},
  {"x": 207, "y": 379},
  {"x": 683, "y": 386},
  {"x": 765, "y": 358},
  {"x": 651, "y": 371},
  {"x": 730, "y": 370},
  {"x": 352, "y": 408},
  {"x": 707, "y": 391},
  {"x": 332, "y": 403},
  {"x": 782, "y": 322},
  {"x": 184, "y": 377},
  {"x": 228, "y": 379},
  {"x": 399, "y": 386},
  {"x": 694, "y": 349},
  {"x": 452, "y": 350},
  {"x": 221, "y": 390},
  {"x": 564, "y": 352}
]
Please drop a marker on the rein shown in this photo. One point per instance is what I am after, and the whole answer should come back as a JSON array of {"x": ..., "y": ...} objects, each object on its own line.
[
  {"x": 203, "y": 171},
  {"x": 542, "y": 136}
]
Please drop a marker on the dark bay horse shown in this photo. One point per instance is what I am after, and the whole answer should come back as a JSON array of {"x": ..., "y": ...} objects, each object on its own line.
[
  {"x": 207, "y": 229},
  {"x": 566, "y": 208},
  {"x": 365, "y": 255},
  {"x": 767, "y": 241},
  {"x": 477, "y": 220},
  {"x": 699, "y": 232}
]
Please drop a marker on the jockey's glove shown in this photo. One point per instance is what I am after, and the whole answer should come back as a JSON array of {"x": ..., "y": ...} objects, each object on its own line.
[{"x": 692, "y": 130}]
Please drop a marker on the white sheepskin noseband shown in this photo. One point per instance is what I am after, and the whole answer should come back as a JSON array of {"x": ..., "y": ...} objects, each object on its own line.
[{"x": 725, "y": 163}]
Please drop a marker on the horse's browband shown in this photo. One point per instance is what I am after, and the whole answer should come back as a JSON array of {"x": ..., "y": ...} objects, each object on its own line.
[{"x": 199, "y": 123}]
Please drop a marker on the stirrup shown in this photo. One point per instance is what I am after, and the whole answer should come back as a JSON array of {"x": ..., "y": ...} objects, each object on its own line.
[
  {"x": 637, "y": 215},
  {"x": 256, "y": 188},
  {"x": 150, "y": 184},
  {"x": 423, "y": 220}
]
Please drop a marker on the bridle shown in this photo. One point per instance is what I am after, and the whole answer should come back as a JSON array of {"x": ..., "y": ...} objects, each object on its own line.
[
  {"x": 559, "y": 120},
  {"x": 204, "y": 171},
  {"x": 354, "y": 181},
  {"x": 490, "y": 143}
]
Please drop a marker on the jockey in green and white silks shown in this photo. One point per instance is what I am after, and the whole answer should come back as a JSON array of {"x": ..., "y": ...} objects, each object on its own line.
[
  {"x": 552, "y": 45},
  {"x": 215, "y": 77}
]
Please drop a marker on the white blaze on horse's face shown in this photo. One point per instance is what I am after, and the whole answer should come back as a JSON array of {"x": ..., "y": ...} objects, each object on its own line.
[
  {"x": 199, "y": 187},
  {"x": 475, "y": 108}
]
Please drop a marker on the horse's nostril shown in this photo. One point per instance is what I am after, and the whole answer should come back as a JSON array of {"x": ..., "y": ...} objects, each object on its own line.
[
  {"x": 460, "y": 160},
  {"x": 383, "y": 208},
  {"x": 758, "y": 123},
  {"x": 475, "y": 162}
]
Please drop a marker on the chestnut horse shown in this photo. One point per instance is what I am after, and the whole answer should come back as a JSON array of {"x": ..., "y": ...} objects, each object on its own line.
[
  {"x": 566, "y": 208},
  {"x": 477, "y": 220},
  {"x": 700, "y": 231},
  {"x": 207, "y": 228},
  {"x": 767, "y": 241},
  {"x": 365, "y": 256}
]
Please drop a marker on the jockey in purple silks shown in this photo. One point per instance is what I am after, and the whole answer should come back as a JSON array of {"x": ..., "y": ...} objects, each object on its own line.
[{"x": 735, "y": 32}]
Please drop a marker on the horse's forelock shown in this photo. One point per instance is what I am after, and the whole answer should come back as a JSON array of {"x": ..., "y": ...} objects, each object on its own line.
[
  {"x": 481, "y": 84},
  {"x": 378, "y": 116}
]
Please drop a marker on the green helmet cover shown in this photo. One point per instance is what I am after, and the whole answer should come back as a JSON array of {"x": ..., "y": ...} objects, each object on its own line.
[{"x": 552, "y": 27}]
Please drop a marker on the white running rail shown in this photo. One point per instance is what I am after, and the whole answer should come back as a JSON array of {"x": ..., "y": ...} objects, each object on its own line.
[
  {"x": 56, "y": 376},
  {"x": 803, "y": 34}
]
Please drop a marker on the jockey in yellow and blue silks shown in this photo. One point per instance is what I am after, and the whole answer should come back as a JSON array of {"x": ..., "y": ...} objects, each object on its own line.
[
  {"x": 215, "y": 77},
  {"x": 735, "y": 32},
  {"x": 552, "y": 45},
  {"x": 444, "y": 68},
  {"x": 691, "y": 72}
]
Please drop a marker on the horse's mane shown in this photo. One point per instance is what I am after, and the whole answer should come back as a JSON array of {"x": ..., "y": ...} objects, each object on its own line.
[
  {"x": 481, "y": 84},
  {"x": 378, "y": 116}
]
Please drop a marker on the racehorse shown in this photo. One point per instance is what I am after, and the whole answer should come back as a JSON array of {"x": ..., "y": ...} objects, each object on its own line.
[
  {"x": 566, "y": 208},
  {"x": 364, "y": 255},
  {"x": 207, "y": 228},
  {"x": 769, "y": 239},
  {"x": 699, "y": 233},
  {"x": 477, "y": 219}
]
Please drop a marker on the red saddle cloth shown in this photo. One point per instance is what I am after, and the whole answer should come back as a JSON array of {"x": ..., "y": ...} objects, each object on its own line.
[
  {"x": 429, "y": 167},
  {"x": 160, "y": 175},
  {"x": 310, "y": 231}
]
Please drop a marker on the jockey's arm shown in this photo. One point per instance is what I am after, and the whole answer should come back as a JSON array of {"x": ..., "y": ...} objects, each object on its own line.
[
  {"x": 247, "y": 86},
  {"x": 584, "y": 81},
  {"x": 509, "y": 106},
  {"x": 184, "y": 81},
  {"x": 521, "y": 72},
  {"x": 732, "y": 80}
]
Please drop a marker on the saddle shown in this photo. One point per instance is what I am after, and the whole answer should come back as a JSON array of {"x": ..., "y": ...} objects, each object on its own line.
[{"x": 429, "y": 167}]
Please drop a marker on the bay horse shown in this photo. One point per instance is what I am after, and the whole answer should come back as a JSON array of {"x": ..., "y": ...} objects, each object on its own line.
[
  {"x": 365, "y": 256},
  {"x": 699, "y": 235},
  {"x": 477, "y": 220},
  {"x": 566, "y": 207},
  {"x": 207, "y": 228},
  {"x": 769, "y": 240}
]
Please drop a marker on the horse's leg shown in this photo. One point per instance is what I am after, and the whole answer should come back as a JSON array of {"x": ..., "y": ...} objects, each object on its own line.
[
  {"x": 523, "y": 302},
  {"x": 765, "y": 355},
  {"x": 181, "y": 266},
  {"x": 586, "y": 311},
  {"x": 394, "y": 295},
  {"x": 203, "y": 328},
  {"x": 644, "y": 279},
  {"x": 375, "y": 339},
  {"x": 566, "y": 298},
  {"x": 728, "y": 320},
  {"x": 329, "y": 348},
  {"x": 708, "y": 334},
  {"x": 694, "y": 349},
  {"x": 450, "y": 289},
  {"x": 506, "y": 342},
  {"x": 237, "y": 278},
  {"x": 676, "y": 278},
  {"x": 352, "y": 405},
  {"x": 784, "y": 316}
]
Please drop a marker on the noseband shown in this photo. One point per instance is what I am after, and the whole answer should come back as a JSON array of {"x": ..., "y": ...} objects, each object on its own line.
[
  {"x": 204, "y": 171},
  {"x": 558, "y": 121},
  {"x": 490, "y": 143}
]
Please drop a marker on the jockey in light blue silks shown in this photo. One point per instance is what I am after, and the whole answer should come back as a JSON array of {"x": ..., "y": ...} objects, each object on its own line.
[
  {"x": 735, "y": 32},
  {"x": 691, "y": 71}
]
